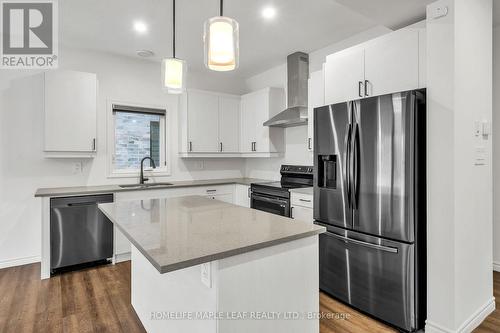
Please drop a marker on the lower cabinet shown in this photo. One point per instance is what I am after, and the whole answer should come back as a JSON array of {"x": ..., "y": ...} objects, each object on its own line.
[
  {"x": 242, "y": 195},
  {"x": 302, "y": 207}
]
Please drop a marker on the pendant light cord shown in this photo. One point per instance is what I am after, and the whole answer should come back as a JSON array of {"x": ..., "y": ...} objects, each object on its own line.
[
  {"x": 221, "y": 7},
  {"x": 173, "y": 28}
]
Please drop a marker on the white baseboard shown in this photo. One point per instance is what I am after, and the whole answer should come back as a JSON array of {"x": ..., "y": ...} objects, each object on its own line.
[
  {"x": 469, "y": 325},
  {"x": 121, "y": 257},
  {"x": 496, "y": 266},
  {"x": 19, "y": 261}
]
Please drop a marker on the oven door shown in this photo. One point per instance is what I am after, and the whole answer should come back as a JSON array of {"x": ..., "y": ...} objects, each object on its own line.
[{"x": 274, "y": 205}]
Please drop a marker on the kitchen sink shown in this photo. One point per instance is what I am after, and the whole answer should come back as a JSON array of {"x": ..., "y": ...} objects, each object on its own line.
[{"x": 147, "y": 185}]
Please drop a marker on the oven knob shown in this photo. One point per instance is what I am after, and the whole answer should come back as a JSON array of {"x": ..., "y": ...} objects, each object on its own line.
[{"x": 309, "y": 170}]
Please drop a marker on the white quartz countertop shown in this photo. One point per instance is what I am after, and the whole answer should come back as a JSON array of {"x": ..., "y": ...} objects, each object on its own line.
[
  {"x": 175, "y": 233},
  {"x": 84, "y": 190}
]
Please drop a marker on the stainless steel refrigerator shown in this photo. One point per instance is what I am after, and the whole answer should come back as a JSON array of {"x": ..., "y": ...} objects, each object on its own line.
[{"x": 370, "y": 194}]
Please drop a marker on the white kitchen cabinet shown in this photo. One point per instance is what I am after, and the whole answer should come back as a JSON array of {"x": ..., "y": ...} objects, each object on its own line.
[
  {"x": 256, "y": 108},
  {"x": 242, "y": 195},
  {"x": 209, "y": 124},
  {"x": 229, "y": 124},
  {"x": 344, "y": 75},
  {"x": 302, "y": 206},
  {"x": 70, "y": 114},
  {"x": 203, "y": 121},
  {"x": 316, "y": 98},
  {"x": 302, "y": 214},
  {"x": 391, "y": 64},
  {"x": 388, "y": 64}
]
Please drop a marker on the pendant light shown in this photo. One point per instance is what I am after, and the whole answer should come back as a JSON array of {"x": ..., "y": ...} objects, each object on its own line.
[
  {"x": 221, "y": 37},
  {"x": 173, "y": 70}
]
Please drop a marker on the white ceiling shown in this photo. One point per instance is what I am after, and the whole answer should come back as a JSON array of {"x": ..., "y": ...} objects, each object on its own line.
[{"x": 300, "y": 25}]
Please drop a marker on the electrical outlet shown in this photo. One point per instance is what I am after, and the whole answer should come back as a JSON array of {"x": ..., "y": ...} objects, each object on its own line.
[
  {"x": 77, "y": 168},
  {"x": 206, "y": 274},
  {"x": 199, "y": 165}
]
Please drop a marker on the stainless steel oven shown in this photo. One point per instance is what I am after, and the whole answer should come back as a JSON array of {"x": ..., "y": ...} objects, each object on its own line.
[
  {"x": 274, "y": 197},
  {"x": 271, "y": 204}
]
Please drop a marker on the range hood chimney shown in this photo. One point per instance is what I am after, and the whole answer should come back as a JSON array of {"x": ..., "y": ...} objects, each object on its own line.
[{"x": 297, "y": 79}]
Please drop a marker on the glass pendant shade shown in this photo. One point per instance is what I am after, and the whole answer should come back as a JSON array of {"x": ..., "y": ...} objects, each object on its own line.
[
  {"x": 221, "y": 37},
  {"x": 173, "y": 75}
]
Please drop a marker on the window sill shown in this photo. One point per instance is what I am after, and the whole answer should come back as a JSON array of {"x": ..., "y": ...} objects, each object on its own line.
[{"x": 136, "y": 174}]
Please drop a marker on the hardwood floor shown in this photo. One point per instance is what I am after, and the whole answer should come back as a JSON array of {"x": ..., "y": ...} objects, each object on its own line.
[{"x": 97, "y": 300}]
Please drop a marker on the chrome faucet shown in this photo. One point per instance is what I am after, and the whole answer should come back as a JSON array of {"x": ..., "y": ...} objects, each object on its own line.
[{"x": 142, "y": 179}]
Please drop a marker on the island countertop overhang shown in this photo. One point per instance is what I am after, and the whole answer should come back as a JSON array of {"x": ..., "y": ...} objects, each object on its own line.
[{"x": 176, "y": 233}]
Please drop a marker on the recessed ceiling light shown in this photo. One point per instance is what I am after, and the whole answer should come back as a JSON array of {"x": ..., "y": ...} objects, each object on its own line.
[
  {"x": 140, "y": 27},
  {"x": 145, "y": 53},
  {"x": 269, "y": 12}
]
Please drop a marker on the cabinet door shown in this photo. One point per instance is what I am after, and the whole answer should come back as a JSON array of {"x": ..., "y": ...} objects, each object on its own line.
[
  {"x": 261, "y": 110},
  {"x": 248, "y": 122},
  {"x": 70, "y": 111},
  {"x": 242, "y": 195},
  {"x": 203, "y": 122},
  {"x": 229, "y": 123},
  {"x": 302, "y": 214},
  {"x": 316, "y": 99},
  {"x": 344, "y": 76},
  {"x": 392, "y": 63}
]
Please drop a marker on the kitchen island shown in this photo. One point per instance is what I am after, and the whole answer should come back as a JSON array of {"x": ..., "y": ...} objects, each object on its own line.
[{"x": 201, "y": 265}]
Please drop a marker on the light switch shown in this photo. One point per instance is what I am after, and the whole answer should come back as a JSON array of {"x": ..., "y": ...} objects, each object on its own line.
[
  {"x": 206, "y": 274},
  {"x": 480, "y": 156},
  {"x": 486, "y": 128},
  {"x": 478, "y": 128}
]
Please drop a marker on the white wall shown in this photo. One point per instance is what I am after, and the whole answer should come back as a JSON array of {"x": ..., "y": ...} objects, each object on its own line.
[
  {"x": 296, "y": 137},
  {"x": 23, "y": 168},
  {"x": 459, "y": 78},
  {"x": 496, "y": 148}
]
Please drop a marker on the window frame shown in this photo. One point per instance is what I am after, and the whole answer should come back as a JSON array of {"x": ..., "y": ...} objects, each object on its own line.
[{"x": 160, "y": 171}]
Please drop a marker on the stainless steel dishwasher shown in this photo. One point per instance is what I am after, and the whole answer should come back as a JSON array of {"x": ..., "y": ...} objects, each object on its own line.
[{"x": 79, "y": 231}]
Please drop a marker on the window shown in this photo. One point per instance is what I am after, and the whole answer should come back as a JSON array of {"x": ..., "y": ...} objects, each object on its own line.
[{"x": 137, "y": 132}]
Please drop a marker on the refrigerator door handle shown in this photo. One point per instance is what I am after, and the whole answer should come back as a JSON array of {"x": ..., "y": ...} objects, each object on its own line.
[
  {"x": 348, "y": 164},
  {"x": 361, "y": 243},
  {"x": 355, "y": 167}
]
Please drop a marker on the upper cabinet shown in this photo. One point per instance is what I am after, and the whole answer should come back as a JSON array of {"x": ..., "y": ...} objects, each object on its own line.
[
  {"x": 229, "y": 124},
  {"x": 256, "y": 108},
  {"x": 387, "y": 64},
  {"x": 209, "y": 124},
  {"x": 344, "y": 76},
  {"x": 316, "y": 98},
  {"x": 203, "y": 121},
  {"x": 70, "y": 114},
  {"x": 221, "y": 125}
]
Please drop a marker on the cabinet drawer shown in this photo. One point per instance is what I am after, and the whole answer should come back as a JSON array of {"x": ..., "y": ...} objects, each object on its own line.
[{"x": 300, "y": 199}]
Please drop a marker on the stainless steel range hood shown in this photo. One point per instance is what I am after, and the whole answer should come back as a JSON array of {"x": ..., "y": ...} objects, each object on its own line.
[{"x": 297, "y": 77}]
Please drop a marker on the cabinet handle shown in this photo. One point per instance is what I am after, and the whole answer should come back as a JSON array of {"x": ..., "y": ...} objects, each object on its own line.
[
  {"x": 304, "y": 200},
  {"x": 366, "y": 87},
  {"x": 221, "y": 146},
  {"x": 254, "y": 146},
  {"x": 211, "y": 191},
  {"x": 360, "y": 88},
  {"x": 291, "y": 212},
  {"x": 190, "y": 146},
  {"x": 309, "y": 143},
  {"x": 94, "y": 146}
]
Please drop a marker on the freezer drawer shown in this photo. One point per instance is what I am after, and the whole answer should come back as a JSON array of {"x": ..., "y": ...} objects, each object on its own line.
[
  {"x": 369, "y": 273},
  {"x": 79, "y": 231}
]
